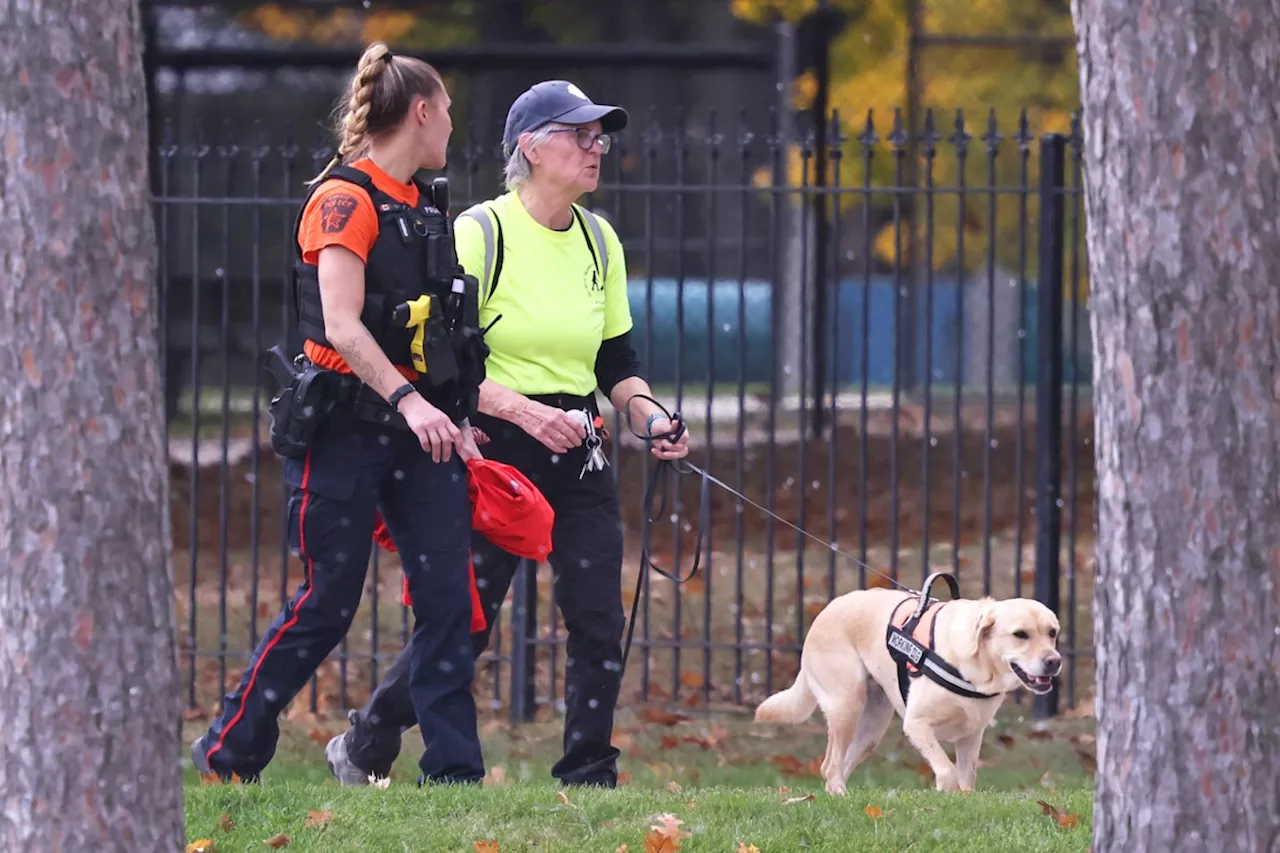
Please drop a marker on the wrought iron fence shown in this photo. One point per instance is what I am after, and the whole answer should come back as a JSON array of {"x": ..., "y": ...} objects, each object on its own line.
[{"x": 879, "y": 355}]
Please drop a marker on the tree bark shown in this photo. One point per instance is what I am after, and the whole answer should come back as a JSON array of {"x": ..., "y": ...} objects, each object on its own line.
[
  {"x": 89, "y": 704},
  {"x": 1182, "y": 188}
]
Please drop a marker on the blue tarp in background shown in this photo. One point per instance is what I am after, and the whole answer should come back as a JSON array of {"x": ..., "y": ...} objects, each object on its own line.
[{"x": 754, "y": 296}]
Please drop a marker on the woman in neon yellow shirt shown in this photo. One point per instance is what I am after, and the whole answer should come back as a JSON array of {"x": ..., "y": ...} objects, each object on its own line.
[{"x": 554, "y": 278}]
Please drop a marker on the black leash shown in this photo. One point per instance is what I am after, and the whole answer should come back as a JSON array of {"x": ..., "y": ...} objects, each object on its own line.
[{"x": 659, "y": 478}]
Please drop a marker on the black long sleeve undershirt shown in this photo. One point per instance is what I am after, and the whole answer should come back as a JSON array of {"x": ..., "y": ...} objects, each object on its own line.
[{"x": 616, "y": 361}]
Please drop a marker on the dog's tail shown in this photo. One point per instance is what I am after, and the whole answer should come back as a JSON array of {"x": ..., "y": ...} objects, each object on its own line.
[{"x": 793, "y": 705}]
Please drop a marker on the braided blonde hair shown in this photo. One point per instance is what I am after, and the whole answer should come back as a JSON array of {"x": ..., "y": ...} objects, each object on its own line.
[{"x": 380, "y": 93}]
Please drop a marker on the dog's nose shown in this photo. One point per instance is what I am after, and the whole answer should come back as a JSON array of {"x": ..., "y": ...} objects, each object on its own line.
[{"x": 1052, "y": 663}]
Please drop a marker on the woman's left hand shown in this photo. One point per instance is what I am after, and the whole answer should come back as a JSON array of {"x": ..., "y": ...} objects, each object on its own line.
[{"x": 665, "y": 448}]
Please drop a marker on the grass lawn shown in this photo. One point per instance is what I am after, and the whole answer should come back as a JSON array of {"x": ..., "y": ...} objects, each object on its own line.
[{"x": 731, "y": 785}]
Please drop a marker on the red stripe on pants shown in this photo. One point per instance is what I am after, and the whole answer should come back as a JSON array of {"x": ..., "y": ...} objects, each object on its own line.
[{"x": 302, "y": 546}]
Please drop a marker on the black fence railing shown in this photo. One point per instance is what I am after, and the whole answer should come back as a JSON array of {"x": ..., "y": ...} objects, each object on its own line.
[{"x": 889, "y": 359}]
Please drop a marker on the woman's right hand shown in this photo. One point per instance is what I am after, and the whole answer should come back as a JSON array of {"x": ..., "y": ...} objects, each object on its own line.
[
  {"x": 435, "y": 432},
  {"x": 558, "y": 430}
]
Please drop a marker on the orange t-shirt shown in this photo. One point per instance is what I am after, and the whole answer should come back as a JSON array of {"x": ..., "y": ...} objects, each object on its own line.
[{"x": 341, "y": 213}]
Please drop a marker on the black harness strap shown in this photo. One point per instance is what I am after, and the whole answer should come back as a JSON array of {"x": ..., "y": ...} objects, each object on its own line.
[{"x": 915, "y": 659}]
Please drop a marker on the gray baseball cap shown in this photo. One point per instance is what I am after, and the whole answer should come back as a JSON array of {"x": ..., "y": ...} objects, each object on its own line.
[{"x": 557, "y": 100}]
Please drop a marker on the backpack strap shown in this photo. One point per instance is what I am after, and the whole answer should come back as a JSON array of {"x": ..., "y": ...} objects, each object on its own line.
[
  {"x": 491, "y": 229},
  {"x": 595, "y": 239}
]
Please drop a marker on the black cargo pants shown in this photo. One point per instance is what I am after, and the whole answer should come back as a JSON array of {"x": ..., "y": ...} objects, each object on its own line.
[
  {"x": 586, "y": 559},
  {"x": 352, "y": 469}
]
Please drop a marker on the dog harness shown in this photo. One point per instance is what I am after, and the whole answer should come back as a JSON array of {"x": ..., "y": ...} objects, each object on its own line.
[{"x": 910, "y": 638}]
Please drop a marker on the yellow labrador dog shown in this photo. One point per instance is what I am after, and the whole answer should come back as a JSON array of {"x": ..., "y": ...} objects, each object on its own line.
[{"x": 955, "y": 663}]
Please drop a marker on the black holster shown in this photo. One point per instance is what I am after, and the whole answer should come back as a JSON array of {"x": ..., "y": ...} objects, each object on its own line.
[{"x": 300, "y": 406}]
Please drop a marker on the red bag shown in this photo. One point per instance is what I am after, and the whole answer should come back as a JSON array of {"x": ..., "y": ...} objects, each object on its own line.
[{"x": 508, "y": 509}]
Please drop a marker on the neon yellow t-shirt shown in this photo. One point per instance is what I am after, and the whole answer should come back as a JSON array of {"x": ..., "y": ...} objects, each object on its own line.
[{"x": 555, "y": 310}]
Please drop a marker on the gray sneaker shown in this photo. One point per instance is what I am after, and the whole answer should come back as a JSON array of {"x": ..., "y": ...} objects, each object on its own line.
[
  {"x": 341, "y": 765},
  {"x": 198, "y": 756}
]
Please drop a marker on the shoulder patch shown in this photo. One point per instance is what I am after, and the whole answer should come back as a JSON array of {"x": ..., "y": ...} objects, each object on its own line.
[{"x": 336, "y": 210}]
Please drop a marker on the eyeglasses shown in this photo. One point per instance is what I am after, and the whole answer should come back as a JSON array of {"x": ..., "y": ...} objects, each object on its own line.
[{"x": 586, "y": 138}]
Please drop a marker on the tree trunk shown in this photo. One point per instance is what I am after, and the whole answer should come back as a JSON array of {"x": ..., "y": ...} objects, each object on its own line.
[
  {"x": 90, "y": 755},
  {"x": 1182, "y": 192}
]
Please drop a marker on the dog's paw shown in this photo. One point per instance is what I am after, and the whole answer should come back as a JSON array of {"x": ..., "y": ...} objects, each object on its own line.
[
  {"x": 836, "y": 789},
  {"x": 947, "y": 781}
]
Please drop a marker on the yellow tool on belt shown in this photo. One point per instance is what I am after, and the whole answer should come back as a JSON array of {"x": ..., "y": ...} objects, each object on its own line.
[{"x": 414, "y": 315}]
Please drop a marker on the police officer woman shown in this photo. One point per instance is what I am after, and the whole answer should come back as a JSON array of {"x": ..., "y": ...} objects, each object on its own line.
[
  {"x": 556, "y": 276},
  {"x": 371, "y": 240}
]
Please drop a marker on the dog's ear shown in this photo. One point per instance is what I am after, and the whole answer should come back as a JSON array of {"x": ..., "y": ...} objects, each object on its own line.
[{"x": 984, "y": 622}]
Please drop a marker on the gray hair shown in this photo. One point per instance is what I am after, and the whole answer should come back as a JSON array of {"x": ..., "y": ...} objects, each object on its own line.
[{"x": 518, "y": 168}]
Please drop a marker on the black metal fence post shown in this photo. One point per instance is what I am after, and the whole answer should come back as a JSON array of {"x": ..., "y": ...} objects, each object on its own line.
[
  {"x": 524, "y": 630},
  {"x": 1049, "y": 385}
]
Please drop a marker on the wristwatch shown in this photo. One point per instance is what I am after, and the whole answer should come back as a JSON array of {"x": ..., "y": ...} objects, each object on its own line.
[{"x": 399, "y": 394}]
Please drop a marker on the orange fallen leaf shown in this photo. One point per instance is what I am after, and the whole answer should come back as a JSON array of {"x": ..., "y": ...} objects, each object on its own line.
[
  {"x": 669, "y": 742},
  {"x": 691, "y": 679},
  {"x": 747, "y": 848},
  {"x": 562, "y": 797},
  {"x": 875, "y": 812},
  {"x": 1040, "y": 734},
  {"x": 488, "y": 846},
  {"x": 661, "y": 717},
  {"x": 277, "y": 841},
  {"x": 1060, "y": 816},
  {"x": 318, "y": 818},
  {"x": 227, "y": 823},
  {"x": 320, "y": 736},
  {"x": 200, "y": 845},
  {"x": 656, "y": 842}
]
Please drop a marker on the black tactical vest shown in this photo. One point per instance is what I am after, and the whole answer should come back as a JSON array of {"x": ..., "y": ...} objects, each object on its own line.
[{"x": 412, "y": 256}]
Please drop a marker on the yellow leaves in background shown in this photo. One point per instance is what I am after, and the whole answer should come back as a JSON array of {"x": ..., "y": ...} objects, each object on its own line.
[
  {"x": 869, "y": 73},
  {"x": 765, "y": 11},
  {"x": 356, "y": 27}
]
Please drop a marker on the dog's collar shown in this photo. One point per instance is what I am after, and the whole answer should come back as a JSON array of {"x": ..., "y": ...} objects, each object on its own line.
[{"x": 915, "y": 655}]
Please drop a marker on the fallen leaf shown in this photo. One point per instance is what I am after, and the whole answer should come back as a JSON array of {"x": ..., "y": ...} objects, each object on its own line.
[
  {"x": 656, "y": 842},
  {"x": 277, "y": 841},
  {"x": 1082, "y": 739},
  {"x": 320, "y": 736},
  {"x": 193, "y": 714},
  {"x": 784, "y": 790},
  {"x": 1088, "y": 759},
  {"x": 227, "y": 824},
  {"x": 793, "y": 800},
  {"x": 318, "y": 818},
  {"x": 621, "y": 741},
  {"x": 1060, "y": 817},
  {"x": 562, "y": 797},
  {"x": 873, "y": 812},
  {"x": 669, "y": 826},
  {"x": 200, "y": 845},
  {"x": 669, "y": 742},
  {"x": 1040, "y": 734},
  {"x": 662, "y": 717},
  {"x": 624, "y": 778},
  {"x": 1006, "y": 741},
  {"x": 487, "y": 846},
  {"x": 747, "y": 848},
  {"x": 673, "y": 786},
  {"x": 691, "y": 679}
]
